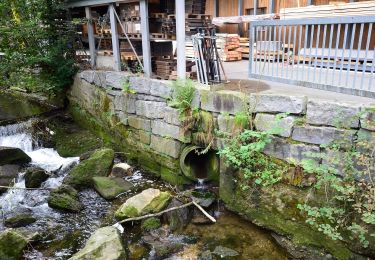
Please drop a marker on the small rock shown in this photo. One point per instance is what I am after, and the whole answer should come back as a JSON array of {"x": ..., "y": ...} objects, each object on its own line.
[
  {"x": 104, "y": 244},
  {"x": 122, "y": 170},
  {"x": 20, "y": 220},
  {"x": 8, "y": 173},
  {"x": 11, "y": 155},
  {"x": 148, "y": 201},
  {"x": 12, "y": 245},
  {"x": 224, "y": 252},
  {"x": 206, "y": 255},
  {"x": 34, "y": 177},
  {"x": 162, "y": 247},
  {"x": 109, "y": 188},
  {"x": 65, "y": 198}
]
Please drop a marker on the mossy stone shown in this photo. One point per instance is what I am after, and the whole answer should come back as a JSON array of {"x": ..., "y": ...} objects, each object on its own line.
[
  {"x": 20, "y": 220},
  {"x": 109, "y": 188},
  {"x": 150, "y": 224},
  {"x": 148, "y": 201},
  {"x": 12, "y": 245},
  {"x": 35, "y": 177},
  {"x": 65, "y": 198},
  {"x": 98, "y": 164}
]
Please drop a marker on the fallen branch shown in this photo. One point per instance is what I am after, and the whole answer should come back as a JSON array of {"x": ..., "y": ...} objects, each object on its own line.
[
  {"x": 155, "y": 214},
  {"x": 204, "y": 212},
  {"x": 20, "y": 188},
  {"x": 168, "y": 210}
]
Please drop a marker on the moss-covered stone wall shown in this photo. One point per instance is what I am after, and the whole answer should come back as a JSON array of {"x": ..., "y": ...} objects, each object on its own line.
[{"x": 134, "y": 114}]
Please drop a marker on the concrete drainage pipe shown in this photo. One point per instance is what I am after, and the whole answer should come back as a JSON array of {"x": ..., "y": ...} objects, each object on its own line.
[{"x": 199, "y": 166}]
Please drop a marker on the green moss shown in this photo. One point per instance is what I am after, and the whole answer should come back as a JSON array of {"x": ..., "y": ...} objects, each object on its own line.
[
  {"x": 65, "y": 198},
  {"x": 12, "y": 245},
  {"x": 98, "y": 164},
  {"x": 20, "y": 220},
  {"x": 109, "y": 188},
  {"x": 276, "y": 209},
  {"x": 158, "y": 203},
  {"x": 151, "y": 224},
  {"x": 127, "y": 212},
  {"x": 173, "y": 177}
]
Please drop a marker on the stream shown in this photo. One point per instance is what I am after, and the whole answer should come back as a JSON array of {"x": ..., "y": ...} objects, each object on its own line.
[{"x": 58, "y": 235}]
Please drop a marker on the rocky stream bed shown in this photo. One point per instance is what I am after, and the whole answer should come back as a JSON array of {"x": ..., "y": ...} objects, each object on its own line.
[{"x": 69, "y": 188}]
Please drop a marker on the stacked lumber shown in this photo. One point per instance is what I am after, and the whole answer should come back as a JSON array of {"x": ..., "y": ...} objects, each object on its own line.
[
  {"x": 195, "y": 6},
  {"x": 164, "y": 68},
  {"x": 244, "y": 48},
  {"x": 333, "y": 10},
  {"x": 193, "y": 22},
  {"x": 227, "y": 46},
  {"x": 189, "y": 50}
]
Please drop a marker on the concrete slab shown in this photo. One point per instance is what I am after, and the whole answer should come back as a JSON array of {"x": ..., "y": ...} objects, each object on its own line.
[{"x": 238, "y": 71}]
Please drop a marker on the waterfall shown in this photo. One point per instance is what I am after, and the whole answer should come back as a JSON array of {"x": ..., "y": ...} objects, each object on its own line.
[{"x": 19, "y": 136}]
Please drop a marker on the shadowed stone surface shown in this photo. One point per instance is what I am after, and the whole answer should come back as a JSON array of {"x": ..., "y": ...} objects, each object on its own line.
[
  {"x": 273, "y": 103},
  {"x": 321, "y": 112},
  {"x": 321, "y": 135},
  {"x": 165, "y": 146}
]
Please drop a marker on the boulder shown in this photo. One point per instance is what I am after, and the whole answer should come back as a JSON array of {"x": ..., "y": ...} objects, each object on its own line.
[
  {"x": 8, "y": 173},
  {"x": 65, "y": 198},
  {"x": 10, "y": 155},
  {"x": 109, "y": 188},
  {"x": 148, "y": 201},
  {"x": 20, "y": 220},
  {"x": 98, "y": 164},
  {"x": 177, "y": 219},
  {"x": 121, "y": 170},
  {"x": 12, "y": 245},
  {"x": 34, "y": 177},
  {"x": 104, "y": 244}
]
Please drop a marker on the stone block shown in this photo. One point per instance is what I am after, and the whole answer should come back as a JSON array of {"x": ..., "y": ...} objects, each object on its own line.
[
  {"x": 172, "y": 116},
  {"x": 226, "y": 123},
  {"x": 273, "y": 103},
  {"x": 123, "y": 117},
  {"x": 330, "y": 113},
  {"x": 366, "y": 142},
  {"x": 160, "y": 89},
  {"x": 140, "y": 85},
  {"x": 150, "y": 109},
  {"x": 368, "y": 119},
  {"x": 282, "y": 149},
  {"x": 321, "y": 135},
  {"x": 165, "y": 146},
  {"x": 87, "y": 75},
  {"x": 115, "y": 79},
  {"x": 223, "y": 101},
  {"x": 172, "y": 131},
  {"x": 149, "y": 98},
  {"x": 144, "y": 137},
  {"x": 268, "y": 122},
  {"x": 125, "y": 102},
  {"x": 139, "y": 123}
]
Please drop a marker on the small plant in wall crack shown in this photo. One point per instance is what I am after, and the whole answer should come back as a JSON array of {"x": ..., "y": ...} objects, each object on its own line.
[{"x": 126, "y": 87}]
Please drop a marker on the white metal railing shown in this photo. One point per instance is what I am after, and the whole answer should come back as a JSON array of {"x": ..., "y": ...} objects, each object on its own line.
[{"x": 336, "y": 54}]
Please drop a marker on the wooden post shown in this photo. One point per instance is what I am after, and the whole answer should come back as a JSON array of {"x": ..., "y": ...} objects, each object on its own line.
[
  {"x": 145, "y": 30},
  {"x": 270, "y": 7},
  {"x": 216, "y": 8},
  {"x": 91, "y": 37},
  {"x": 240, "y": 13},
  {"x": 115, "y": 42},
  {"x": 255, "y": 6},
  {"x": 180, "y": 36}
]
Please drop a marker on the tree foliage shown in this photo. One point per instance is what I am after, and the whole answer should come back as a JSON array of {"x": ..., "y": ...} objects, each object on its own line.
[{"x": 37, "y": 42}]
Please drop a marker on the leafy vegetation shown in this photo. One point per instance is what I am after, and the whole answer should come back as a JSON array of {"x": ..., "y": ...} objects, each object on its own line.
[
  {"x": 38, "y": 45},
  {"x": 245, "y": 152},
  {"x": 344, "y": 188},
  {"x": 183, "y": 97}
]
